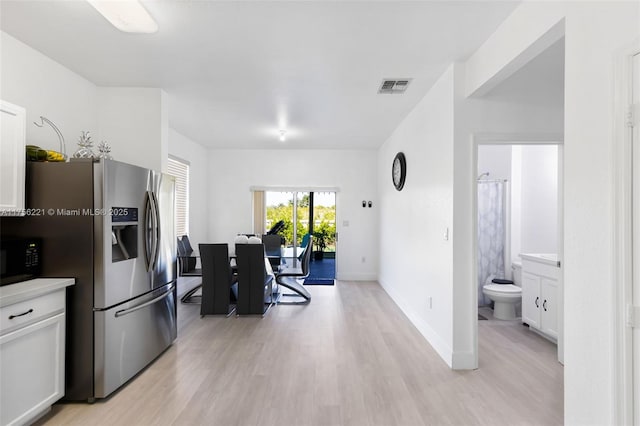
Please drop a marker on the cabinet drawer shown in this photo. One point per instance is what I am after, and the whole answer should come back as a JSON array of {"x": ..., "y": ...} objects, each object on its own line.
[
  {"x": 540, "y": 269},
  {"x": 27, "y": 311}
]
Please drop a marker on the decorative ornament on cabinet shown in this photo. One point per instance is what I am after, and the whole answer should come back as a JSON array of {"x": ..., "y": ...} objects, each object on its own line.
[
  {"x": 85, "y": 144},
  {"x": 105, "y": 150}
]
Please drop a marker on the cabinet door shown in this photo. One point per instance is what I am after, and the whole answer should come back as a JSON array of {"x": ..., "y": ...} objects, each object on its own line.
[
  {"x": 549, "y": 307},
  {"x": 531, "y": 302},
  {"x": 12, "y": 158},
  {"x": 31, "y": 370}
]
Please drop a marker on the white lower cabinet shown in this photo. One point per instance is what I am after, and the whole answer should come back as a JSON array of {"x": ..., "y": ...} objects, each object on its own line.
[
  {"x": 32, "y": 356},
  {"x": 531, "y": 300},
  {"x": 549, "y": 307},
  {"x": 540, "y": 298}
]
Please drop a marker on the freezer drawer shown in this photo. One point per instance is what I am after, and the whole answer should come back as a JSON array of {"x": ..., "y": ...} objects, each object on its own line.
[{"x": 131, "y": 335}]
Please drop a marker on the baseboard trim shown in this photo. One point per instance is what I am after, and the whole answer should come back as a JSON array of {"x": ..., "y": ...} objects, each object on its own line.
[
  {"x": 356, "y": 277},
  {"x": 433, "y": 338}
]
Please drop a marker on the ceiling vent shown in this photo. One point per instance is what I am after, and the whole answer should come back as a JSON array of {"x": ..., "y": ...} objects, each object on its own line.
[{"x": 394, "y": 86}]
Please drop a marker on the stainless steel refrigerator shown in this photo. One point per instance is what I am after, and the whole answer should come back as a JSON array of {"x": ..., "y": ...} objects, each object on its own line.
[{"x": 111, "y": 226}]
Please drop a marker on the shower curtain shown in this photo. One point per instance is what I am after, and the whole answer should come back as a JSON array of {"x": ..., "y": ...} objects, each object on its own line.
[{"x": 491, "y": 233}]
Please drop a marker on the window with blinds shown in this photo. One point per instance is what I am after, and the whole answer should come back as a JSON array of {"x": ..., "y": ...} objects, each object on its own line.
[{"x": 180, "y": 170}]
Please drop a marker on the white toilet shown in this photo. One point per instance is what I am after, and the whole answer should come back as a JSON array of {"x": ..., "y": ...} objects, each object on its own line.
[{"x": 506, "y": 297}]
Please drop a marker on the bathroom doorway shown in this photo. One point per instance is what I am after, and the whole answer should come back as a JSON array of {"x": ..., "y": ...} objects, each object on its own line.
[{"x": 519, "y": 215}]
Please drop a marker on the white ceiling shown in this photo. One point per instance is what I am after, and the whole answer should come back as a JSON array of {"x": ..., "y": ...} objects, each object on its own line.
[{"x": 236, "y": 71}]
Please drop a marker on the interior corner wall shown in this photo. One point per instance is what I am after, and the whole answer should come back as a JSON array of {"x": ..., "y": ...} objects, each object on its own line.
[
  {"x": 595, "y": 32},
  {"x": 232, "y": 173},
  {"x": 417, "y": 267},
  {"x": 133, "y": 120},
  {"x": 45, "y": 88},
  {"x": 197, "y": 156}
]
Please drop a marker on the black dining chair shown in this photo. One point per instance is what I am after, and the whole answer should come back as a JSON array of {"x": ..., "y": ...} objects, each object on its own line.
[
  {"x": 289, "y": 277},
  {"x": 186, "y": 259},
  {"x": 273, "y": 249},
  {"x": 187, "y": 268},
  {"x": 255, "y": 295},
  {"x": 219, "y": 287}
]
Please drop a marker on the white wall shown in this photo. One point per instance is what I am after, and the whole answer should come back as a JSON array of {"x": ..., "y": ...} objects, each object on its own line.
[
  {"x": 45, "y": 88},
  {"x": 443, "y": 269},
  {"x": 539, "y": 199},
  {"x": 496, "y": 160},
  {"x": 133, "y": 121},
  {"x": 417, "y": 259},
  {"x": 197, "y": 156},
  {"x": 234, "y": 172},
  {"x": 595, "y": 33}
]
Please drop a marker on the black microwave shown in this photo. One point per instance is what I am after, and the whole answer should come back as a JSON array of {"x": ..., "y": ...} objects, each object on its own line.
[{"x": 20, "y": 259}]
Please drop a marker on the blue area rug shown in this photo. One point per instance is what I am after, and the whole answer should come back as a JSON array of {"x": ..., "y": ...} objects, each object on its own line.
[
  {"x": 325, "y": 268},
  {"x": 318, "y": 281}
]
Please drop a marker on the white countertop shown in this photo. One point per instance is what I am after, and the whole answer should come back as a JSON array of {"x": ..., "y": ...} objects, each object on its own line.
[
  {"x": 14, "y": 293},
  {"x": 546, "y": 258}
]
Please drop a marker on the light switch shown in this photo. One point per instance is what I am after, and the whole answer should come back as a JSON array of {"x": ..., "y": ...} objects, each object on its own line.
[
  {"x": 345, "y": 223},
  {"x": 446, "y": 234}
]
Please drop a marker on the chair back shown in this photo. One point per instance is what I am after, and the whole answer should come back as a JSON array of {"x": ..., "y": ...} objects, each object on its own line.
[
  {"x": 306, "y": 257},
  {"x": 187, "y": 244},
  {"x": 305, "y": 240},
  {"x": 187, "y": 264},
  {"x": 272, "y": 244},
  {"x": 254, "y": 284},
  {"x": 216, "y": 279},
  {"x": 181, "y": 250}
]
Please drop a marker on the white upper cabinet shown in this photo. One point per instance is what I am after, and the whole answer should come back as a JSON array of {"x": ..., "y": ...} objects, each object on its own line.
[{"x": 12, "y": 158}]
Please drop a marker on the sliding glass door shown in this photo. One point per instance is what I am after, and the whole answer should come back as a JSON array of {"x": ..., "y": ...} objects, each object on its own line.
[
  {"x": 291, "y": 211},
  {"x": 300, "y": 214}
]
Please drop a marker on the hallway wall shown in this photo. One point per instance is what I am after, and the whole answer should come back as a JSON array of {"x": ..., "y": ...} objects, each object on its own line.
[{"x": 595, "y": 33}]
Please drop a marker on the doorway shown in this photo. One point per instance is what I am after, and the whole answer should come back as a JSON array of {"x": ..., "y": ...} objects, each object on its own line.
[
  {"x": 519, "y": 220},
  {"x": 300, "y": 214}
]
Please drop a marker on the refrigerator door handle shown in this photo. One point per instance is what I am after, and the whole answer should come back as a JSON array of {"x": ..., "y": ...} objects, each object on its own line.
[
  {"x": 150, "y": 227},
  {"x": 147, "y": 230},
  {"x": 145, "y": 304},
  {"x": 156, "y": 233}
]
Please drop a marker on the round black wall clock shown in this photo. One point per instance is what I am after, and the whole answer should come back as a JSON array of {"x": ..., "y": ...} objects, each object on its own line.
[{"x": 399, "y": 171}]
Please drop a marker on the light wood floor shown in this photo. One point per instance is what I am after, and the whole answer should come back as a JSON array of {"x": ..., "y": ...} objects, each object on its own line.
[{"x": 351, "y": 357}]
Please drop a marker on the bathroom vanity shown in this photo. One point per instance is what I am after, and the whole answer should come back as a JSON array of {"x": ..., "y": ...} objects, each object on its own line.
[{"x": 540, "y": 293}]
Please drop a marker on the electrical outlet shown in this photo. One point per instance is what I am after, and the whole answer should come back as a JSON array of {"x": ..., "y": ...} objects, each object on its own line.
[
  {"x": 446, "y": 234},
  {"x": 364, "y": 259}
]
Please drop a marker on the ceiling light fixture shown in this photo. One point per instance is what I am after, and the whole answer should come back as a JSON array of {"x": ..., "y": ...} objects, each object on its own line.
[
  {"x": 283, "y": 134},
  {"x": 128, "y": 16}
]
